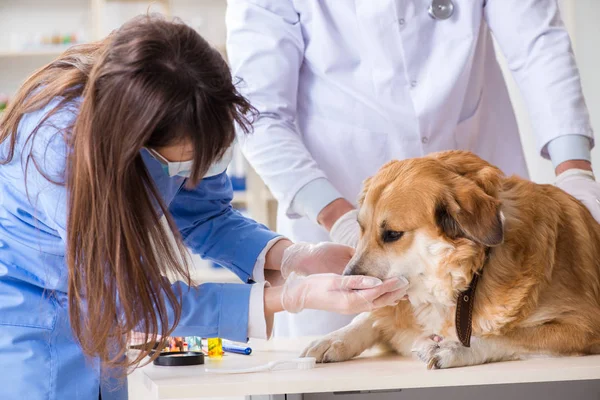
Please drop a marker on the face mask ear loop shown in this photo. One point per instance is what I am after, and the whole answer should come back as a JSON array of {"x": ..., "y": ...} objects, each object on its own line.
[{"x": 157, "y": 156}]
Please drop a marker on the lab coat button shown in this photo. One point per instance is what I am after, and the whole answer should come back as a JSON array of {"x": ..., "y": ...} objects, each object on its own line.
[
  {"x": 441, "y": 9},
  {"x": 413, "y": 84},
  {"x": 425, "y": 140},
  {"x": 401, "y": 21}
]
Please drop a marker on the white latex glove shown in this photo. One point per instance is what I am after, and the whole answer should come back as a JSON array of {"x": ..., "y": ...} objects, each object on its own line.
[
  {"x": 308, "y": 258},
  {"x": 581, "y": 185},
  {"x": 346, "y": 229},
  {"x": 340, "y": 294}
]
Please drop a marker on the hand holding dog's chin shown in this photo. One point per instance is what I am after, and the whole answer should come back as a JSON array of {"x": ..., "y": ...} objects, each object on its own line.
[{"x": 340, "y": 294}]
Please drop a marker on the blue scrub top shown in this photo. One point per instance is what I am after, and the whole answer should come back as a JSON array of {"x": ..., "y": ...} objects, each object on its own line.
[{"x": 39, "y": 357}]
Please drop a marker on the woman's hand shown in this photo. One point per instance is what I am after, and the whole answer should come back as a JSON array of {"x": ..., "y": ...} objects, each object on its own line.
[
  {"x": 321, "y": 258},
  {"x": 341, "y": 294}
]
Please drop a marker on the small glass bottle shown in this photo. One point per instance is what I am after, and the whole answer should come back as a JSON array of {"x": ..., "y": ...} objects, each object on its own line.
[
  {"x": 215, "y": 348},
  {"x": 194, "y": 343}
]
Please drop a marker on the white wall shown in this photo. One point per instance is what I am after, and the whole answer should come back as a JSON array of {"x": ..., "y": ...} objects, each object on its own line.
[
  {"x": 581, "y": 18},
  {"x": 586, "y": 31}
]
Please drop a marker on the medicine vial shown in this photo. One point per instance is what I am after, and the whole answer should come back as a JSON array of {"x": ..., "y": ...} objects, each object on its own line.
[{"x": 215, "y": 348}]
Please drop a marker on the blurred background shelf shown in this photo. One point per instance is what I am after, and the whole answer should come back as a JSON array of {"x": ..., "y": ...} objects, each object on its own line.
[{"x": 43, "y": 52}]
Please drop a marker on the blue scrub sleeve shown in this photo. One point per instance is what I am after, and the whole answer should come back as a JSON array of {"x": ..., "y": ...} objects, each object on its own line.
[
  {"x": 213, "y": 310},
  {"x": 211, "y": 227}
]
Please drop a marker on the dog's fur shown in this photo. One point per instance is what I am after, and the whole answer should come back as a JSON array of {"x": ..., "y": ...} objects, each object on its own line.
[{"x": 538, "y": 292}]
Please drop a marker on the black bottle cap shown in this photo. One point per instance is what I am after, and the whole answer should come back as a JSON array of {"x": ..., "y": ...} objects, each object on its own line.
[{"x": 179, "y": 358}]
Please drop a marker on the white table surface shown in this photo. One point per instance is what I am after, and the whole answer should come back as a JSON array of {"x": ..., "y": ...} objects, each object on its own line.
[{"x": 368, "y": 372}]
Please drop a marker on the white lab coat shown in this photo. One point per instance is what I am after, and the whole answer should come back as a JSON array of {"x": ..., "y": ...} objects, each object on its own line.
[{"x": 344, "y": 86}]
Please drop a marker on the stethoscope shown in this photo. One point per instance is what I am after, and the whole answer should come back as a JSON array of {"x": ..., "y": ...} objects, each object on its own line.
[{"x": 441, "y": 9}]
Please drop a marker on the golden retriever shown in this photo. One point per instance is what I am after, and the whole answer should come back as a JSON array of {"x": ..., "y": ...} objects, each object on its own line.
[{"x": 516, "y": 262}]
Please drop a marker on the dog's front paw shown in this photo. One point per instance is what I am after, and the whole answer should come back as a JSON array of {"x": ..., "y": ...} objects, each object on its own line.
[
  {"x": 442, "y": 354},
  {"x": 331, "y": 348},
  {"x": 426, "y": 347}
]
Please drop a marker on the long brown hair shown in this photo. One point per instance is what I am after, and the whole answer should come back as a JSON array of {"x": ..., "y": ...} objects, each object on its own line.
[{"x": 151, "y": 83}]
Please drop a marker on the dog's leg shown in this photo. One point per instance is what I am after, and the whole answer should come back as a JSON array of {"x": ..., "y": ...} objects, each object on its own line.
[
  {"x": 451, "y": 354},
  {"x": 345, "y": 343},
  {"x": 546, "y": 339},
  {"x": 554, "y": 338},
  {"x": 594, "y": 348},
  {"x": 403, "y": 341}
]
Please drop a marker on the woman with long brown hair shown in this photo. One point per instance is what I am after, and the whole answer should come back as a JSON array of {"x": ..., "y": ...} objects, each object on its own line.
[{"x": 95, "y": 149}]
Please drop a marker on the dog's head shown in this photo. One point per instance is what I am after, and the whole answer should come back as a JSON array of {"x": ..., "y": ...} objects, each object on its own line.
[{"x": 430, "y": 220}]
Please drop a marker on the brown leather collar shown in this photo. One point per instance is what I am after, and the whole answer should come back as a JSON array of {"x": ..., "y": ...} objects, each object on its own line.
[{"x": 464, "y": 307}]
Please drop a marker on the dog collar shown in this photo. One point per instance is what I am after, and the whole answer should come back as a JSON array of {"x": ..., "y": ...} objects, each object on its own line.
[{"x": 464, "y": 307}]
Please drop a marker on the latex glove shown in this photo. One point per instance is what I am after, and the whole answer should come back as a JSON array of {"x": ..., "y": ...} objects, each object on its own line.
[
  {"x": 308, "y": 258},
  {"x": 340, "y": 294},
  {"x": 346, "y": 229},
  {"x": 581, "y": 184}
]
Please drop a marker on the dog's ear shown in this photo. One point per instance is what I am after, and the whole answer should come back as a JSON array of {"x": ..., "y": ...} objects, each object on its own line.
[
  {"x": 365, "y": 189},
  {"x": 470, "y": 166},
  {"x": 468, "y": 212}
]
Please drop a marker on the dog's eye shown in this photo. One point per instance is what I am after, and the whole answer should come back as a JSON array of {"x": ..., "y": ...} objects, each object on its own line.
[{"x": 391, "y": 236}]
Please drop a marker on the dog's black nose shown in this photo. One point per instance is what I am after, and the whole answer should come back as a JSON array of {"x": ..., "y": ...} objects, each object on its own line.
[{"x": 354, "y": 268}]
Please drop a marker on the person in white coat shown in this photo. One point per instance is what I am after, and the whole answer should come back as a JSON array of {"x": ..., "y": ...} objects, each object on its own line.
[{"x": 344, "y": 86}]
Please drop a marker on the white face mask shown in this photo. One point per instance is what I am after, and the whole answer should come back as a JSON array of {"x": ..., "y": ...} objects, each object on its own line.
[{"x": 184, "y": 168}]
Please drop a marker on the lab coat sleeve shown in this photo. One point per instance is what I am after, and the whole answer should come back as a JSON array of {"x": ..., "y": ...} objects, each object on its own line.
[
  {"x": 257, "y": 321},
  {"x": 569, "y": 147},
  {"x": 211, "y": 227},
  {"x": 538, "y": 50},
  {"x": 266, "y": 49}
]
